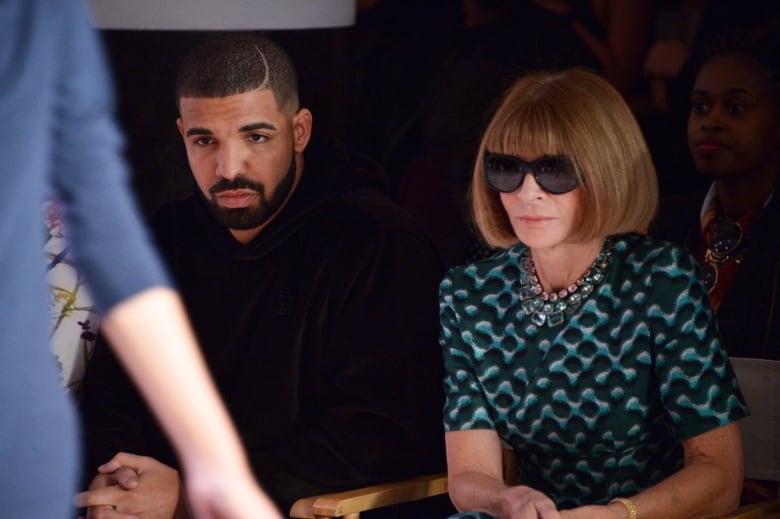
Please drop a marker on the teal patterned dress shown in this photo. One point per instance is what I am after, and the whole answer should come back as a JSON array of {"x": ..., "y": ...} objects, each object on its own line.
[{"x": 596, "y": 406}]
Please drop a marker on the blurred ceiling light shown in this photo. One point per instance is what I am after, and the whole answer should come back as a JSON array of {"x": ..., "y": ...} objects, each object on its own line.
[{"x": 218, "y": 15}]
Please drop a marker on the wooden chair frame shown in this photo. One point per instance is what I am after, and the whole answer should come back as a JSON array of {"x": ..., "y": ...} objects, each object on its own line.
[{"x": 349, "y": 504}]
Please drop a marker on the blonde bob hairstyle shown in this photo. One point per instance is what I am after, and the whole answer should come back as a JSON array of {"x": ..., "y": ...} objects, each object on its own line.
[{"x": 578, "y": 114}]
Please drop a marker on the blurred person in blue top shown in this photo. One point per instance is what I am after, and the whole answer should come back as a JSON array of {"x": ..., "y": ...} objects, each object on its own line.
[
  {"x": 588, "y": 347},
  {"x": 62, "y": 140}
]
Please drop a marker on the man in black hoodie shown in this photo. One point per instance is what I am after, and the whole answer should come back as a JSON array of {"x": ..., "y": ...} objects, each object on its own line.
[{"x": 312, "y": 294}]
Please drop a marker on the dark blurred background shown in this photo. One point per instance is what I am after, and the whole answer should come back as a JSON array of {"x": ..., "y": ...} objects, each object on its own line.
[{"x": 412, "y": 84}]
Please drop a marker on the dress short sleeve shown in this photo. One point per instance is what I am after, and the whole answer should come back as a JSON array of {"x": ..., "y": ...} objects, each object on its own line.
[
  {"x": 465, "y": 405},
  {"x": 698, "y": 387}
]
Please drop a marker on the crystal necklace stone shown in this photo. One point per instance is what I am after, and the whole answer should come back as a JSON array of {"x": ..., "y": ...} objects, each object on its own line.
[{"x": 551, "y": 308}]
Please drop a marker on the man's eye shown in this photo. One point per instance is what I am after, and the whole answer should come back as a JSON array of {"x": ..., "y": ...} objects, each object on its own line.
[
  {"x": 256, "y": 137},
  {"x": 203, "y": 141},
  {"x": 699, "y": 107}
]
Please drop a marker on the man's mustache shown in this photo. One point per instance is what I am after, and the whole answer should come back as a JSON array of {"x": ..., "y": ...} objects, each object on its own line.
[{"x": 236, "y": 183}]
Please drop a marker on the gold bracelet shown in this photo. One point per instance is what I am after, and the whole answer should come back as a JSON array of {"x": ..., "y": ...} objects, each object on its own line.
[{"x": 630, "y": 506}]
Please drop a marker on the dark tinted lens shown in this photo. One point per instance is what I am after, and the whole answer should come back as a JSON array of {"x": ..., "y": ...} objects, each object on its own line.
[
  {"x": 502, "y": 172},
  {"x": 555, "y": 174}
]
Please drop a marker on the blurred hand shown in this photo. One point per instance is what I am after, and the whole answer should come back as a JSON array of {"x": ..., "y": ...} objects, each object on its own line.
[{"x": 227, "y": 496}]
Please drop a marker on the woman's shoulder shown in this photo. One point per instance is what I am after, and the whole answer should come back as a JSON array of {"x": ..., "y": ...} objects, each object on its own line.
[
  {"x": 502, "y": 262},
  {"x": 492, "y": 275},
  {"x": 650, "y": 250},
  {"x": 644, "y": 260}
]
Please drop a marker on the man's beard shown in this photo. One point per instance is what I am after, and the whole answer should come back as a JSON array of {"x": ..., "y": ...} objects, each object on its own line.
[{"x": 245, "y": 218}]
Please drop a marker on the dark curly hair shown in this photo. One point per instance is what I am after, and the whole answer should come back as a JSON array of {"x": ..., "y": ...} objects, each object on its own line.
[{"x": 759, "y": 40}]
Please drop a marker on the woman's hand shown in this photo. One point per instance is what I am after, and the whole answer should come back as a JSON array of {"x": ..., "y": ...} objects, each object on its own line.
[
  {"x": 476, "y": 480},
  {"x": 520, "y": 502}
]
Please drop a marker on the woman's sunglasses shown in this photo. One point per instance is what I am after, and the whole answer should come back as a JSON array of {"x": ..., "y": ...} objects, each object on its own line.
[{"x": 554, "y": 173}]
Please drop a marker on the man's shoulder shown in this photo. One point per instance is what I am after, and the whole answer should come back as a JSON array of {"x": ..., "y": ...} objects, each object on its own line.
[
  {"x": 363, "y": 221},
  {"x": 374, "y": 208},
  {"x": 346, "y": 194},
  {"x": 344, "y": 183}
]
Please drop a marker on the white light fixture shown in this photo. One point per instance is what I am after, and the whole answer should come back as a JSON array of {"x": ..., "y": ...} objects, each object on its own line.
[{"x": 221, "y": 15}]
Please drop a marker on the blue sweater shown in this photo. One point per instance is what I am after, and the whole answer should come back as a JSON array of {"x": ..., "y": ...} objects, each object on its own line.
[{"x": 59, "y": 139}]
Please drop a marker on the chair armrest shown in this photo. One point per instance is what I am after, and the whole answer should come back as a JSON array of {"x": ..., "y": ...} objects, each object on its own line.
[
  {"x": 341, "y": 504},
  {"x": 765, "y": 509}
]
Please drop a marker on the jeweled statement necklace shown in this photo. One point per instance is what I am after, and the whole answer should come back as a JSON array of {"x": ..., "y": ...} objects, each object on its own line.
[
  {"x": 552, "y": 308},
  {"x": 725, "y": 245}
]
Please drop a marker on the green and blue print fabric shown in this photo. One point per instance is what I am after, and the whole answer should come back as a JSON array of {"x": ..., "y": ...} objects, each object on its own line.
[{"x": 597, "y": 407}]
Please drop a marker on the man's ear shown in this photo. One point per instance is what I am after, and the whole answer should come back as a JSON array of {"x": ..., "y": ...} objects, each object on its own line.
[
  {"x": 180, "y": 126},
  {"x": 301, "y": 124}
]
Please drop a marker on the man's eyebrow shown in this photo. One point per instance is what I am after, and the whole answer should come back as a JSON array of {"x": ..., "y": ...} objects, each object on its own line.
[
  {"x": 257, "y": 126},
  {"x": 199, "y": 131},
  {"x": 246, "y": 128}
]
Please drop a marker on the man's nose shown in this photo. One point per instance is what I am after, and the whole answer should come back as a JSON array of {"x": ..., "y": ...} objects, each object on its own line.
[{"x": 231, "y": 161}]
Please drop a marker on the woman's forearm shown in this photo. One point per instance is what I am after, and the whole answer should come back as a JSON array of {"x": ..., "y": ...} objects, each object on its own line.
[
  {"x": 152, "y": 337},
  {"x": 697, "y": 491},
  {"x": 474, "y": 491}
]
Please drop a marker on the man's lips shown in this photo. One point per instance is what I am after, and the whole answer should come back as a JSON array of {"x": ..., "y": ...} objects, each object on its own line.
[{"x": 235, "y": 198}]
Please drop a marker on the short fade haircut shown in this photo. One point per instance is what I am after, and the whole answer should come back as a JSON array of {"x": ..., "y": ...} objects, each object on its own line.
[
  {"x": 235, "y": 63},
  {"x": 579, "y": 114}
]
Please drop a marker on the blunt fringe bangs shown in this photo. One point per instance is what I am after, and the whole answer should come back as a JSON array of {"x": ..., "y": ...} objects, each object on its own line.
[
  {"x": 579, "y": 114},
  {"x": 236, "y": 63}
]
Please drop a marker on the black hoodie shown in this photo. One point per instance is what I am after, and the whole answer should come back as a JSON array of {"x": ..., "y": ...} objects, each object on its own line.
[{"x": 321, "y": 334}]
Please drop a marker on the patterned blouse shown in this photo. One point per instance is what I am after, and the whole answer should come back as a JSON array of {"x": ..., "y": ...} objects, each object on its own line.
[{"x": 596, "y": 406}]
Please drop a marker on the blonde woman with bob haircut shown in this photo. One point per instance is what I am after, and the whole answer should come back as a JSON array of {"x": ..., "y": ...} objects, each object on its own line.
[{"x": 586, "y": 346}]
